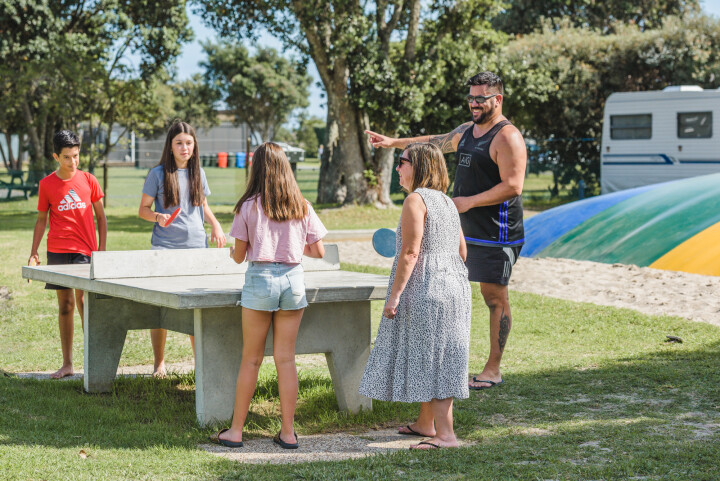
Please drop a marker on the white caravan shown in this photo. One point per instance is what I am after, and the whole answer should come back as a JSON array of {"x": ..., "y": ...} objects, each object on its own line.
[{"x": 657, "y": 136}]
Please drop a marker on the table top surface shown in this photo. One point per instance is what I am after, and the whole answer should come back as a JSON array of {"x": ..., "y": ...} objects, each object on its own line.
[{"x": 207, "y": 291}]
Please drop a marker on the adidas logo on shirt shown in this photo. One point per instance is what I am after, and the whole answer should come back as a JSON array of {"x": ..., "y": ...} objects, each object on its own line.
[{"x": 71, "y": 201}]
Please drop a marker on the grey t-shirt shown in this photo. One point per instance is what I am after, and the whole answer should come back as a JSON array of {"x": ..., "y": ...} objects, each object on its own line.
[{"x": 187, "y": 230}]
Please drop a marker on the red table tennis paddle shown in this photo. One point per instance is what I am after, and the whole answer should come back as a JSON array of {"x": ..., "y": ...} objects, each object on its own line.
[{"x": 172, "y": 217}]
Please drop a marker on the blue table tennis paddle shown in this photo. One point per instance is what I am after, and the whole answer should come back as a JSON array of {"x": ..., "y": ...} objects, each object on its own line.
[{"x": 383, "y": 241}]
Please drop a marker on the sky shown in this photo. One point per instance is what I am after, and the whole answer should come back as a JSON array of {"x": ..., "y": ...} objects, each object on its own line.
[{"x": 192, "y": 55}]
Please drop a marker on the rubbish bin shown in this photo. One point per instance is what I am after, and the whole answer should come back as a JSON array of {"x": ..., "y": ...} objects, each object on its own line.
[
  {"x": 222, "y": 159},
  {"x": 240, "y": 160}
]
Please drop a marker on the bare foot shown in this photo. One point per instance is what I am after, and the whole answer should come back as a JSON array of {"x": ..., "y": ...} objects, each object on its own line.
[
  {"x": 435, "y": 443},
  {"x": 415, "y": 430},
  {"x": 160, "y": 372},
  {"x": 66, "y": 370}
]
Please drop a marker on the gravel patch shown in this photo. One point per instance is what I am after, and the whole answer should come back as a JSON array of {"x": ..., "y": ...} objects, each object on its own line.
[{"x": 319, "y": 447}]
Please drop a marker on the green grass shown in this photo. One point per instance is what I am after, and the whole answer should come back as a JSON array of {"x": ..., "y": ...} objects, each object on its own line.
[
  {"x": 536, "y": 193},
  {"x": 591, "y": 392}
]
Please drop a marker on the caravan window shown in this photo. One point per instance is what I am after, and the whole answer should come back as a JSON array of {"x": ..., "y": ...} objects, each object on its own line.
[
  {"x": 627, "y": 127},
  {"x": 694, "y": 125}
]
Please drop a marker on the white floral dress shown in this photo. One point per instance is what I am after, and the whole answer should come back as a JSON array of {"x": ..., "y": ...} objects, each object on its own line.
[{"x": 422, "y": 353}]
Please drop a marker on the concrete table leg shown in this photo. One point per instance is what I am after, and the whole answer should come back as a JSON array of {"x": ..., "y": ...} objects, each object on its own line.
[
  {"x": 104, "y": 337},
  {"x": 342, "y": 331},
  {"x": 348, "y": 358},
  {"x": 218, "y": 351}
]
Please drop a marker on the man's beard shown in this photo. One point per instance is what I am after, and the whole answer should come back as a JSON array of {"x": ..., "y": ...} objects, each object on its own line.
[{"x": 483, "y": 116}]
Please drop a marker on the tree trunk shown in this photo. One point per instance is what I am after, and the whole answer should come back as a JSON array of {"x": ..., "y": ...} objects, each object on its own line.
[
  {"x": 36, "y": 146},
  {"x": 91, "y": 156},
  {"x": 384, "y": 159},
  {"x": 2, "y": 151},
  {"x": 347, "y": 157},
  {"x": 342, "y": 166}
]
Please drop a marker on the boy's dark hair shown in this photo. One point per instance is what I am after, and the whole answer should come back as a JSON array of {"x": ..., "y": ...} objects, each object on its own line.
[
  {"x": 65, "y": 138},
  {"x": 487, "y": 78}
]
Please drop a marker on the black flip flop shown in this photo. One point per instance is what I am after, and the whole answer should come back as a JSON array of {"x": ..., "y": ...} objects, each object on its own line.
[
  {"x": 277, "y": 440},
  {"x": 434, "y": 446},
  {"x": 412, "y": 433},
  {"x": 492, "y": 384},
  {"x": 224, "y": 442}
]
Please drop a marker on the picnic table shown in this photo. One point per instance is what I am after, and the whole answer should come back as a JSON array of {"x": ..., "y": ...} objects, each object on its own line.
[
  {"x": 27, "y": 182},
  {"x": 197, "y": 292}
]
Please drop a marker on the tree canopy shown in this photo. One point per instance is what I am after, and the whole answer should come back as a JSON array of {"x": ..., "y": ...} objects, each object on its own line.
[
  {"x": 558, "y": 80},
  {"x": 377, "y": 63},
  {"x": 526, "y": 16},
  {"x": 68, "y": 62},
  {"x": 262, "y": 89}
]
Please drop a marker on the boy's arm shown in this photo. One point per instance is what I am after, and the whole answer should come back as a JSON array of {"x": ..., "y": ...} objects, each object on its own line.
[
  {"x": 216, "y": 233},
  {"x": 38, "y": 232},
  {"x": 446, "y": 142},
  {"x": 101, "y": 222}
]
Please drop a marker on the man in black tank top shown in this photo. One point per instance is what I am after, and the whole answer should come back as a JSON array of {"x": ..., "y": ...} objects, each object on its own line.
[{"x": 491, "y": 159}]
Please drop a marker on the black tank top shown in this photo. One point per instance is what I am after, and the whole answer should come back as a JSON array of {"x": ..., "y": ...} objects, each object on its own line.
[{"x": 499, "y": 225}]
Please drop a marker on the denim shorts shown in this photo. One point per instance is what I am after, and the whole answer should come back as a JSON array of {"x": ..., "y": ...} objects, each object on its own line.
[{"x": 270, "y": 286}]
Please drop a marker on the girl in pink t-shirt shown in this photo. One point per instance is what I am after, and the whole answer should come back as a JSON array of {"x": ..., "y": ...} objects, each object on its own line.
[{"x": 273, "y": 227}]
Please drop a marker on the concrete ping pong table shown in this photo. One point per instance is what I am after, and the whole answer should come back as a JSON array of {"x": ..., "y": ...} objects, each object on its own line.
[{"x": 197, "y": 292}]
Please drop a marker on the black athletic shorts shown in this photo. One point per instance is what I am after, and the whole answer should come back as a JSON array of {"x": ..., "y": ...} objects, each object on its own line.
[
  {"x": 491, "y": 264},
  {"x": 56, "y": 259}
]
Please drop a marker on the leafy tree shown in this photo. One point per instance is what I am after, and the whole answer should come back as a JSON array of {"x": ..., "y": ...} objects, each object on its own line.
[
  {"x": 69, "y": 62},
  {"x": 558, "y": 80},
  {"x": 261, "y": 90},
  {"x": 306, "y": 134},
  {"x": 375, "y": 65},
  {"x": 525, "y": 16}
]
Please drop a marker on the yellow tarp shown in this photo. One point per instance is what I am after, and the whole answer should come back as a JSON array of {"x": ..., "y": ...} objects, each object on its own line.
[{"x": 699, "y": 254}]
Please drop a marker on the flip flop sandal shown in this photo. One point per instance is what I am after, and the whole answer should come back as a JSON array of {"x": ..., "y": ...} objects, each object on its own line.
[
  {"x": 285, "y": 445},
  {"x": 492, "y": 384},
  {"x": 412, "y": 432},
  {"x": 428, "y": 443},
  {"x": 224, "y": 442}
]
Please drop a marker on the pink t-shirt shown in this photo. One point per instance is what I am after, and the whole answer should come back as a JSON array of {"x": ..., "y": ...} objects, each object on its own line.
[{"x": 272, "y": 241}]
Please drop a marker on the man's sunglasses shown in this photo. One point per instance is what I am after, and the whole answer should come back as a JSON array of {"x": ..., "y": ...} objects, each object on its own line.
[{"x": 479, "y": 98}]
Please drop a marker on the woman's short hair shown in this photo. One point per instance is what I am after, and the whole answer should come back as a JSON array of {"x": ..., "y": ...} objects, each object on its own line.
[{"x": 429, "y": 169}]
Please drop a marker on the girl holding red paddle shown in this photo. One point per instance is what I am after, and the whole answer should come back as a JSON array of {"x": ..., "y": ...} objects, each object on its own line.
[{"x": 177, "y": 183}]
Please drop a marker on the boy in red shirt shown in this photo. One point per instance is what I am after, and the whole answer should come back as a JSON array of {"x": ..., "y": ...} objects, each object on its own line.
[{"x": 67, "y": 195}]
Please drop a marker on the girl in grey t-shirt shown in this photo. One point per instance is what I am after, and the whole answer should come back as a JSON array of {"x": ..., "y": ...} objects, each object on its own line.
[{"x": 177, "y": 181}]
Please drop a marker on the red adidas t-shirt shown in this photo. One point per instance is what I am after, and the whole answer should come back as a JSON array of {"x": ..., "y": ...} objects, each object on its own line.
[{"x": 72, "y": 225}]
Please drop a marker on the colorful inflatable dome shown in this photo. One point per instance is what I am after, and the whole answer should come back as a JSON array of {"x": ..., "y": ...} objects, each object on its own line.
[{"x": 673, "y": 226}]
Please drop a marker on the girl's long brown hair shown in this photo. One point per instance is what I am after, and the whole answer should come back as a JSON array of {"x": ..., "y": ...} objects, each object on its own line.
[
  {"x": 170, "y": 182},
  {"x": 272, "y": 179}
]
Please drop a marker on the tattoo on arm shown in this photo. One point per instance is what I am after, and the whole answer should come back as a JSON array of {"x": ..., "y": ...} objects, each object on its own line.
[
  {"x": 504, "y": 330},
  {"x": 444, "y": 141}
]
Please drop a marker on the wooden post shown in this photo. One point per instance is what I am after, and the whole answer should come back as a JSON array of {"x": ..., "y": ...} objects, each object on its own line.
[
  {"x": 105, "y": 183},
  {"x": 247, "y": 160}
]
